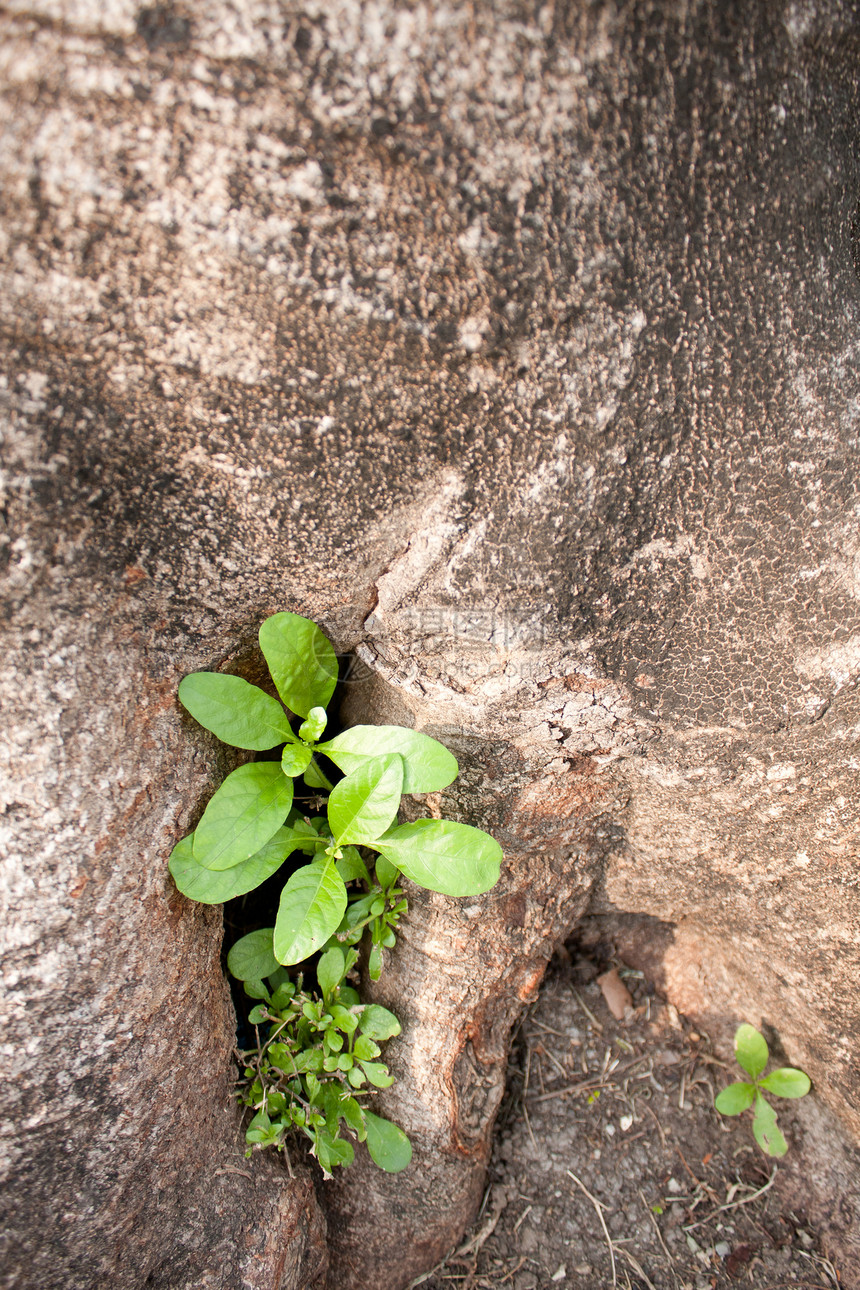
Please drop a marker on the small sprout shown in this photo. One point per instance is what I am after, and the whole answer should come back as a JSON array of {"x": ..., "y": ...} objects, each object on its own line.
[{"x": 752, "y": 1055}]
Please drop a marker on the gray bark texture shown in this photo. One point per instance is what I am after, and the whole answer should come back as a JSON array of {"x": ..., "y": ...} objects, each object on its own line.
[{"x": 517, "y": 345}]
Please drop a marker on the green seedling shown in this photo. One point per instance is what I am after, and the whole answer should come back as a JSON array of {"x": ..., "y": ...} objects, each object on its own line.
[
  {"x": 316, "y": 1052},
  {"x": 752, "y": 1054},
  {"x": 318, "y": 1060}
]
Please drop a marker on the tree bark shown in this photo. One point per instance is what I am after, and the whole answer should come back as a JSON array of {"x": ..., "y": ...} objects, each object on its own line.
[{"x": 517, "y": 346}]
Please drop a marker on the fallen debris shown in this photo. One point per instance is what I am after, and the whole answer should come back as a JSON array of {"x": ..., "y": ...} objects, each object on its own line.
[{"x": 618, "y": 997}]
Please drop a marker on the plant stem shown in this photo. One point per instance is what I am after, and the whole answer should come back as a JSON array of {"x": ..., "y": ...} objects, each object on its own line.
[{"x": 326, "y": 782}]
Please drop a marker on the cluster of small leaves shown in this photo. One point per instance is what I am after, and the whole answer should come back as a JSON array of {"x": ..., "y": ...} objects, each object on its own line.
[
  {"x": 310, "y": 1072},
  {"x": 752, "y": 1055},
  {"x": 356, "y": 853}
]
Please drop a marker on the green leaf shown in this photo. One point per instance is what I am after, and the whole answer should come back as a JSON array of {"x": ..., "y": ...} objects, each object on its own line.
[
  {"x": 388, "y": 1145},
  {"x": 362, "y": 806},
  {"x": 283, "y": 996},
  {"x": 259, "y": 1128},
  {"x": 281, "y": 1057},
  {"x": 374, "y": 963},
  {"x": 353, "y": 1114},
  {"x": 314, "y": 778},
  {"x": 313, "y": 839},
  {"x": 332, "y": 1106},
  {"x": 787, "y": 1082},
  {"x": 331, "y": 1151},
  {"x": 351, "y": 866},
  {"x": 357, "y": 910},
  {"x": 767, "y": 1133},
  {"x": 215, "y": 886},
  {"x": 750, "y": 1050},
  {"x": 378, "y": 1023},
  {"x": 386, "y": 873},
  {"x": 428, "y": 764},
  {"x": 312, "y": 905},
  {"x": 308, "y": 1060},
  {"x": 258, "y": 1015},
  {"x": 344, "y": 1019},
  {"x": 735, "y": 1098},
  {"x": 377, "y": 1074},
  {"x": 331, "y": 969},
  {"x": 444, "y": 856},
  {"x": 314, "y": 826},
  {"x": 301, "y": 660},
  {"x": 247, "y": 810},
  {"x": 252, "y": 958},
  {"x": 256, "y": 989},
  {"x": 311, "y": 729},
  {"x": 365, "y": 1049},
  {"x": 237, "y": 712},
  {"x": 295, "y": 759}
]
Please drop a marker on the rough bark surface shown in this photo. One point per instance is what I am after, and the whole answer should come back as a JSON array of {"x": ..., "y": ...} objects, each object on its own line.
[{"x": 517, "y": 345}]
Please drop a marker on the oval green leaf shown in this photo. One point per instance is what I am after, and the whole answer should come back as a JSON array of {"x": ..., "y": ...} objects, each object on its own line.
[
  {"x": 428, "y": 765},
  {"x": 312, "y": 728},
  {"x": 331, "y": 969},
  {"x": 296, "y": 759},
  {"x": 301, "y": 660},
  {"x": 377, "y": 1022},
  {"x": 351, "y": 866},
  {"x": 388, "y": 1145},
  {"x": 247, "y": 810},
  {"x": 787, "y": 1082},
  {"x": 237, "y": 712},
  {"x": 215, "y": 886},
  {"x": 252, "y": 957},
  {"x": 312, "y": 905},
  {"x": 257, "y": 990},
  {"x": 734, "y": 1099},
  {"x": 750, "y": 1050},
  {"x": 350, "y": 1110},
  {"x": 386, "y": 872},
  {"x": 377, "y": 1073},
  {"x": 365, "y": 1048},
  {"x": 362, "y": 806},
  {"x": 331, "y": 1151},
  {"x": 314, "y": 778},
  {"x": 767, "y": 1133},
  {"x": 259, "y": 1129},
  {"x": 442, "y": 855}
]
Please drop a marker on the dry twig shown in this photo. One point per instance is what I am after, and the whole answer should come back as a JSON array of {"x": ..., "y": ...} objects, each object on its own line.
[
  {"x": 599, "y": 1208},
  {"x": 735, "y": 1204}
]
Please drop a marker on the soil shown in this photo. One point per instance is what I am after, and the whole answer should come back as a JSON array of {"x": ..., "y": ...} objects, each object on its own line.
[{"x": 612, "y": 1168}]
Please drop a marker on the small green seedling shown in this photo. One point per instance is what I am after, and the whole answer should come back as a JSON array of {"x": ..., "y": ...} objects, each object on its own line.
[
  {"x": 318, "y": 1050},
  {"x": 752, "y": 1054},
  {"x": 312, "y": 1069}
]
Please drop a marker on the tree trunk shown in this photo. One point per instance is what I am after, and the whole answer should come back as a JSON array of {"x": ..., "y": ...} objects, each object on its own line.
[{"x": 517, "y": 346}]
